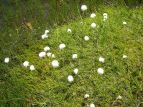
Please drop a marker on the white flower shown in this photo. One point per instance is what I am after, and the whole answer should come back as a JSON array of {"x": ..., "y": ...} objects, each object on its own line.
[
  {"x": 100, "y": 71},
  {"x": 46, "y": 48},
  {"x": 92, "y": 105},
  {"x": 83, "y": 7},
  {"x": 46, "y": 31},
  {"x": 124, "y": 23},
  {"x": 101, "y": 59},
  {"x": 69, "y": 30},
  {"x": 55, "y": 64},
  {"x": 86, "y": 38},
  {"x": 53, "y": 55},
  {"x": 86, "y": 95},
  {"x": 62, "y": 46},
  {"x": 119, "y": 97},
  {"x": 74, "y": 56},
  {"x": 70, "y": 78},
  {"x": 44, "y": 36},
  {"x": 93, "y": 15},
  {"x": 42, "y": 54},
  {"x": 75, "y": 71},
  {"x": 6, "y": 60},
  {"x": 125, "y": 56},
  {"x": 49, "y": 54},
  {"x": 26, "y": 64},
  {"x": 32, "y": 68},
  {"x": 93, "y": 25}
]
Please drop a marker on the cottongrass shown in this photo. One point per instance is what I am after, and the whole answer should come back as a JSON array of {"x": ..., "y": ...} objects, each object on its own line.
[
  {"x": 6, "y": 60},
  {"x": 74, "y": 56},
  {"x": 93, "y": 15},
  {"x": 70, "y": 78},
  {"x": 83, "y": 7},
  {"x": 42, "y": 54},
  {"x": 26, "y": 64},
  {"x": 86, "y": 38},
  {"x": 75, "y": 70},
  {"x": 55, "y": 63},
  {"x": 100, "y": 71},
  {"x": 93, "y": 25},
  {"x": 62, "y": 46}
]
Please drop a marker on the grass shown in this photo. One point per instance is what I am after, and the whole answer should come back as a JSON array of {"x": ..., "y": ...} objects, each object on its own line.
[{"x": 49, "y": 87}]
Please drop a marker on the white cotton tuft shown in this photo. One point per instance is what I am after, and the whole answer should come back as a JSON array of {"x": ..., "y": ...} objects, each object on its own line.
[
  {"x": 83, "y": 7},
  {"x": 62, "y": 46},
  {"x": 124, "y": 23},
  {"x": 69, "y": 30},
  {"x": 86, "y": 96},
  {"x": 100, "y": 71},
  {"x": 44, "y": 36},
  {"x": 46, "y": 48},
  {"x": 101, "y": 59},
  {"x": 93, "y": 15},
  {"x": 119, "y": 97},
  {"x": 92, "y": 105},
  {"x": 86, "y": 38},
  {"x": 125, "y": 56},
  {"x": 47, "y": 31},
  {"x": 32, "y": 68},
  {"x": 55, "y": 64},
  {"x": 26, "y": 64},
  {"x": 70, "y": 78},
  {"x": 49, "y": 54},
  {"x": 75, "y": 71},
  {"x": 6, "y": 60},
  {"x": 74, "y": 56},
  {"x": 42, "y": 54},
  {"x": 93, "y": 25}
]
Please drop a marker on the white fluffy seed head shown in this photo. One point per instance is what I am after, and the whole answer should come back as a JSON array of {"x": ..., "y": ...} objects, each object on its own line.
[
  {"x": 93, "y": 15},
  {"x": 32, "y": 68},
  {"x": 74, "y": 56},
  {"x": 93, "y": 25},
  {"x": 69, "y": 30},
  {"x": 62, "y": 46},
  {"x": 86, "y": 38},
  {"x": 92, "y": 105},
  {"x": 49, "y": 54},
  {"x": 53, "y": 55},
  {"x": 44, "y": 36},
  {"x": 42, "y": 54},
  {"x": 124, "y": 23},
  {"x": 47, "y": 48},
  {"x": 26, "y": 64},
  {"x": 86, "y": 96},
  {"x": 47, "y": 31},
  {"x": 101, "y": 59},
  {"x": 70, "y": 78},
  {"x": 100, "y": 71},
  {"x": 6, "y": 60},
  {"x": 55, "y": 63},
  {"x": 125, "y": 56},
  {"x": 83, "y": 7},
  {"x": 119, "y": 97},
  {"x": 75, "y": 71},
  {"x": 105, "y": 14}
]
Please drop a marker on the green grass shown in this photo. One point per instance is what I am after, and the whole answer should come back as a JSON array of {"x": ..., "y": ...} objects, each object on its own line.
[{"x": 48, "y": 86}]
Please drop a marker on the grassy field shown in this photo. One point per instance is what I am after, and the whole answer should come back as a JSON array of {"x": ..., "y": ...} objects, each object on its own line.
[{"x": 47, "y": 86}]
